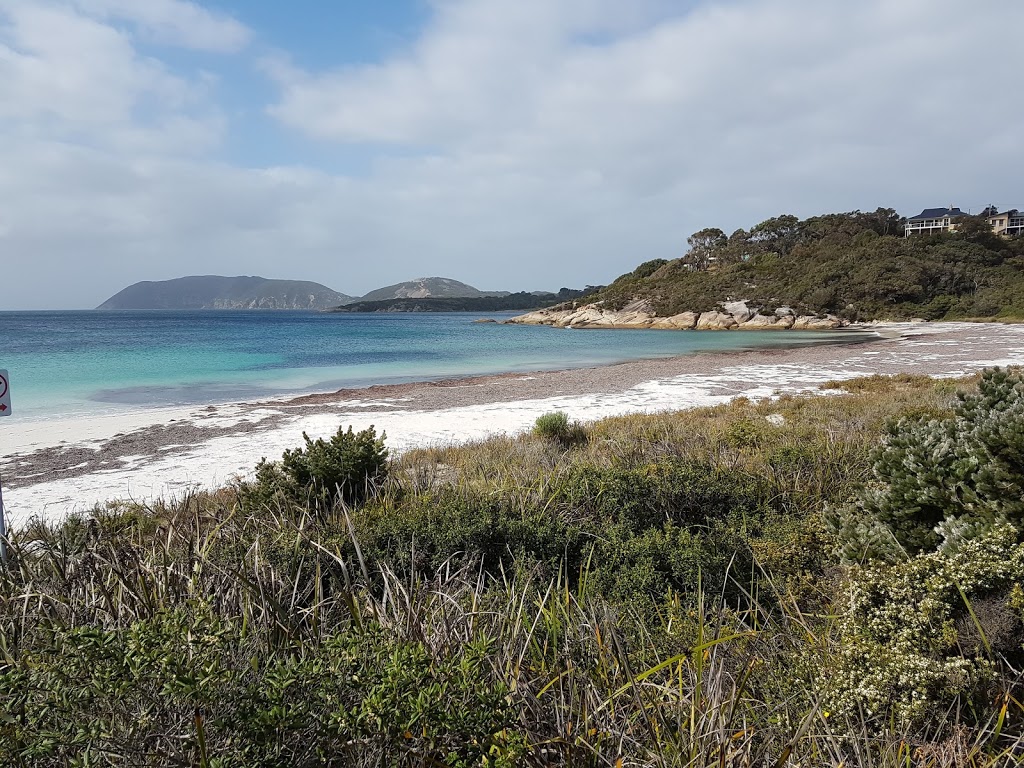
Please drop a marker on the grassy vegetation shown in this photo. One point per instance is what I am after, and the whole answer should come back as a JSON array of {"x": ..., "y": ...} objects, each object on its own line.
[
  {"x": 854, "y": 265},
  {"x": 701, "y": 588}
]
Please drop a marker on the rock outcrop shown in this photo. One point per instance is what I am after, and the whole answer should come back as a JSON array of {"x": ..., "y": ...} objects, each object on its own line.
[
  {"x": 716, "y": 321},
  {"x": 732, "y": 315}
]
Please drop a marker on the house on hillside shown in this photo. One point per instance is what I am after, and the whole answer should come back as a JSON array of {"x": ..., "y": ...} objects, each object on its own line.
[
  {"x": 1009, "y": 223},
  {"x": 931, "y": 221}
]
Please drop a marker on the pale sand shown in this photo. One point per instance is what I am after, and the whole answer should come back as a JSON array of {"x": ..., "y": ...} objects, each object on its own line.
[{"x": 54, "y": 467}]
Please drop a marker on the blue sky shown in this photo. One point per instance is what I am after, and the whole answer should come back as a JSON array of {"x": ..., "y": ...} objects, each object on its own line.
[
  {"x": 320, "y": 34},
  {"x": 513, "y": 144}
]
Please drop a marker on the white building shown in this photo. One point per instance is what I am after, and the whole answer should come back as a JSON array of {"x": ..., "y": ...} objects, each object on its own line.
[{"x": 931, "y": 221}]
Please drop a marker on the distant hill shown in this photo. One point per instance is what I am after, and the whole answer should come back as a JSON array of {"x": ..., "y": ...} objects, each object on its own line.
[
  {"x": 492, "y": 303},
  {"x": 428, "y": 288},
  {"x": 214, "y": 292}
]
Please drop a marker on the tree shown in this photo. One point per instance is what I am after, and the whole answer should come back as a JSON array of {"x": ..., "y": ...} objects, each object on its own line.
[
  {"x": 705, "y": 245},
  {"x": 648, "y": 268},
  {"x": 884, "y": 221},
  {"x": 976, "y": 229},
  {"x": 778, "y": 234}
]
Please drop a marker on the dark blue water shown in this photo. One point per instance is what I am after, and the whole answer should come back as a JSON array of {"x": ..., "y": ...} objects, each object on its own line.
[{"x": 76, "y": 362}]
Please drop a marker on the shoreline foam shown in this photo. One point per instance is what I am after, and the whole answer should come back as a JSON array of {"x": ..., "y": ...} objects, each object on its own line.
[{"x": 123, "y": 456}]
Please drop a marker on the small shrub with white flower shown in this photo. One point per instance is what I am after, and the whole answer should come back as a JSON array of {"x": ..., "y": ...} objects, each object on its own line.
[{"x": 935, "y": 555}]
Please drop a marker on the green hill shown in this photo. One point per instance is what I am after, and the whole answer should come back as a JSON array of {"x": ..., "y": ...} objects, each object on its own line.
[
  {"x": 428, "y": 288},
  {"x": 856, "y": 265}
]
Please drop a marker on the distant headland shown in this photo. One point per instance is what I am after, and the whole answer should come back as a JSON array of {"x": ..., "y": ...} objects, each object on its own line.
[
  {"x": 216, "y": 292},
  {"x": 425, "y": 294}
]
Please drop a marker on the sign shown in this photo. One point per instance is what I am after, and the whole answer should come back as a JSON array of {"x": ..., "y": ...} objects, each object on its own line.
[{"x": 5, "y": 394}]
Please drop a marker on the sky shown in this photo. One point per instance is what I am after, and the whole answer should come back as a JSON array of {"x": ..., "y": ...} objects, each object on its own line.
[{"x": 511, "y": 144}]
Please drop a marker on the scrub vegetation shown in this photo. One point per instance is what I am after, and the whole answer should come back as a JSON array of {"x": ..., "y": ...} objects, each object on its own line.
[
  {"x": 856, "y": 265},
  {"x": 824, "y": 580}
]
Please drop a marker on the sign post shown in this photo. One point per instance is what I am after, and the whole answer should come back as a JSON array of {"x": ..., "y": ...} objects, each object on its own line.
[{"x": 5, "y": 410}]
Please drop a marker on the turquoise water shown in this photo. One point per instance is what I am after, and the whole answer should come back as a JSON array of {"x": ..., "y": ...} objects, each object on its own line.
[{"x": 66, "y": 363}]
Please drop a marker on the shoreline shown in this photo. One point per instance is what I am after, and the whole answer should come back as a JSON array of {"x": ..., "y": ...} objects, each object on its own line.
[{"x": 208, "y": 446}]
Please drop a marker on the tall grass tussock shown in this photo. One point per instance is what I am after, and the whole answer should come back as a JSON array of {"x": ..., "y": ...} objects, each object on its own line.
[{"x": 825, "y": 580}]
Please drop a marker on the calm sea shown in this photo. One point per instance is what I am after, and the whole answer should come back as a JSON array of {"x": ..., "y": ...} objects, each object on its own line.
[{"x": 67, "y": 363}]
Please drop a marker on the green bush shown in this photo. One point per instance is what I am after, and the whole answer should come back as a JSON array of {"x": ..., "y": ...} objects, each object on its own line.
[
  {"x": 557, "y": 428},
  {"x": 345, "y": 468},
  {"x": 187, "y": 687},
  {"x": 940, "y": 482},
  {"x": 638, "y": 531},
  {"x": 671, "y": 490},
  {"x": 911, "y": 641},
  {"x": 931, "y": 616},
  {"x": 648, "y": 268},
  {"x": 450, "y": 526}
]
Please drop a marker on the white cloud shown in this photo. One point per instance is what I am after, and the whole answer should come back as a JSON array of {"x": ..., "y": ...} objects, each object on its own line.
[
  {"x": 480, "y": 64},
  {"x": 174, "y": 22},
  {"x": 516, "y": 144},
  {"x": 65, "y": 76}
]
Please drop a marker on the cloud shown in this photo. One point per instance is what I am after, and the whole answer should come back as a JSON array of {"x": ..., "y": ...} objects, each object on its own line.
[
  {"x": 65, "y": 76},
  {"x": 479, "y": 65},
  {"x": 710, "y": 115},
  {"x": 517, "y": 144},
  {"x": 174, "y": 22},
  {"x": 760, "y": 78}
]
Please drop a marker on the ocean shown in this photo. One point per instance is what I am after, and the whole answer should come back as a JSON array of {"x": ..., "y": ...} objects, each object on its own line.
[{"x": 64, "y": 364}]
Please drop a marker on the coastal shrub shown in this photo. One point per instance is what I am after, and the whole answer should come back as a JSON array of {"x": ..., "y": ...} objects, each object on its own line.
[
  {"x": 452, "y": 527},
  {"x": 189, "y": 687},
  {"x": 932, "y": 613},
  {"x": 648, "y": 268},
  {"x": 637, "y": 532},
  {"x": 939, "y": 482},
  {"x": 671, "y": 490},
  {"x": 919, "y": 636},
  {"x": 345, "y": 468},
  {"x": 557, "y": 427}
]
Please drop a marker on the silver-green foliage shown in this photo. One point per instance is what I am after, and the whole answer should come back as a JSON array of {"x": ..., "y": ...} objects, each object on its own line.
[
  {"x": 931, "y": 604},
  {"x": 940, "y": 482}
]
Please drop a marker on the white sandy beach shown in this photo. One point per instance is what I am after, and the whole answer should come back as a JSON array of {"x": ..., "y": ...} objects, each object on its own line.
[{"x": 51, "y": 468}]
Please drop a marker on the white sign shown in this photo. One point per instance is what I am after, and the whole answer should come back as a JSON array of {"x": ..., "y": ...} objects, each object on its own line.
[{"x": 5, "y": 394}]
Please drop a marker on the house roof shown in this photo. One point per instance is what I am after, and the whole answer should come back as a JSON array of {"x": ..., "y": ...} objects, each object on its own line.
[{"x": 937, "y": 213}]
